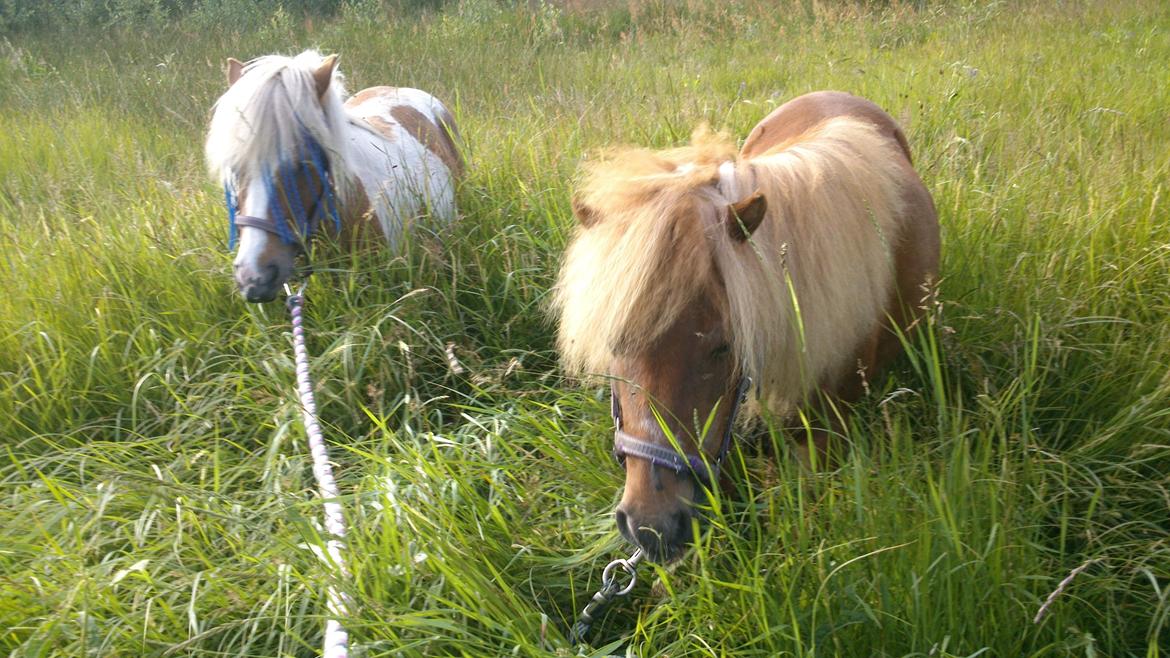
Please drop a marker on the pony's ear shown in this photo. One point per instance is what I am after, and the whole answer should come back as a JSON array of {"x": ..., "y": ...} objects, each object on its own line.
[
  {"x": 744, "y": 217},
  {"x": 235, "y": 68},
  {"x": 586, "y": 215},
  {"x": 324, "y": 75}
]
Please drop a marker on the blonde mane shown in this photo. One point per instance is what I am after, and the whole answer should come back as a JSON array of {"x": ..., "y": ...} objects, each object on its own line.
[
  {"x": 799, "y": 295},
  {"x": 261, "y": 119}
]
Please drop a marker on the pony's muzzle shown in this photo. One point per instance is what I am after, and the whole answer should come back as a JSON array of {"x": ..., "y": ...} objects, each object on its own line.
[
  {"x": 663, "y": 536},
  {"x": 258, "y": 296},
  {"x": 261, "y": 287}
]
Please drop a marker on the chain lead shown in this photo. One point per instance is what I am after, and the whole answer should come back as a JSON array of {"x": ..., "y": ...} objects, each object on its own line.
[{"x": 609, "y": 591}]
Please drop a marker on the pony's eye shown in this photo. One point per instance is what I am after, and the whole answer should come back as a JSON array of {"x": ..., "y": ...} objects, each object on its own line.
[{"x": 722, "y": 350}]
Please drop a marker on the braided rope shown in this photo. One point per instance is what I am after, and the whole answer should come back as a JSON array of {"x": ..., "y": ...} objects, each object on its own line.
[{"x": 336, "y": 642}]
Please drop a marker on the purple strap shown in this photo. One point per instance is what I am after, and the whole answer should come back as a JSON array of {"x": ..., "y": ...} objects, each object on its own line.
[
  {"x": 663, "y": 454},
  {"x": 625, "y": 445},
  {"x": 262, "y": 223}
]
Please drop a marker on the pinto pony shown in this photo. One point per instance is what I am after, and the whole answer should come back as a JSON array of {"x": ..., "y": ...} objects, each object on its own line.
[
  {"x": 694, "y": 271},
  {"x": 291, "y": 150}
]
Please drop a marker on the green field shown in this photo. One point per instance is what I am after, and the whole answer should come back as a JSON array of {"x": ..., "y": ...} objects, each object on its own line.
[{"x": 155, "y": 492}]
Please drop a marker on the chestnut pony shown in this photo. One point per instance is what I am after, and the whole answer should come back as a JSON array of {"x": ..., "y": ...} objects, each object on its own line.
[
  {"x": 694, "y": 271},
  {"x": 291, "y": 151}
]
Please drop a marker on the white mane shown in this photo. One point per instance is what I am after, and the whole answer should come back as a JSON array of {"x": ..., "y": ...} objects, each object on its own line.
[{"x": 260, "y": 118}]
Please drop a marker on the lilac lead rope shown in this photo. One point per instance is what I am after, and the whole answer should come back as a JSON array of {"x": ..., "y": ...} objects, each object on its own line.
[{"x": 336, "y": 642}]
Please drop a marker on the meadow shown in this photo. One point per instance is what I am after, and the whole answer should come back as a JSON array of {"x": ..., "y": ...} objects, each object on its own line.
[{"x": 155, "y": 491}]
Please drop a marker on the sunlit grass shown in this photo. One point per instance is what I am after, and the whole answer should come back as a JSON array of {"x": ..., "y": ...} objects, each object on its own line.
[{"x": 156, "y": 494}]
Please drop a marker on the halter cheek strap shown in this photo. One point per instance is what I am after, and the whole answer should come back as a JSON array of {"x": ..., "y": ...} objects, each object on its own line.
[{"x": 662, "y": 454}]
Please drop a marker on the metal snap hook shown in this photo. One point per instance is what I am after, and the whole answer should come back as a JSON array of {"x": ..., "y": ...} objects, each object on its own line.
[
  {"x": 288, "y": 291},
  {"x": 630, "y": 566}
]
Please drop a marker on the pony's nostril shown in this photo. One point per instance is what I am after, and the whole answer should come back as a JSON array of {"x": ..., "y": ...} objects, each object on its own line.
[
  {"x": 682, "y": 524},
  {"x": 652, "y": 541},
  {"x": 623, "y": 524},
  {"x": 256, "y": 295}
]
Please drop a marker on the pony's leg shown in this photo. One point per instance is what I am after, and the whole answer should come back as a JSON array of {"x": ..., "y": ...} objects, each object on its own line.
[
  {"x": 820, "y": 443},
  {"x": 818, "y": 447}
]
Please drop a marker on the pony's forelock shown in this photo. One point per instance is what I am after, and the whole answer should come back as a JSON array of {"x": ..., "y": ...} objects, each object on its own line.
[
  {"x": 618, "y": 179},
  {"x": 263, "y": 118},
  {"x": 626, "y": 278}
]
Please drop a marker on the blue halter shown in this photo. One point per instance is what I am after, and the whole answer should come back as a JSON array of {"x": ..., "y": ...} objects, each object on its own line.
[{"x": 298, "y": 228}]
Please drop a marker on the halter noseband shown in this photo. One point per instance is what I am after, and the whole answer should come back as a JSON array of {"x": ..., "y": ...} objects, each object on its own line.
[{"x": 626, "y": 445}]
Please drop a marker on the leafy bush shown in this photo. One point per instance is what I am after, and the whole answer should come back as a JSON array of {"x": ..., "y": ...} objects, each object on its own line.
[{"x": 47, "y": 15}]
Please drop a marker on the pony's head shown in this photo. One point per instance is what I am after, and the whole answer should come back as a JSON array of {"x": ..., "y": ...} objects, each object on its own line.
[
  {"x": 273, "y": 145},
  {"x": 644, "y": 298}
]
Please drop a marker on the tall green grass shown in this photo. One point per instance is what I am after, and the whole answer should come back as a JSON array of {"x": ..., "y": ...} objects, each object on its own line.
[{"x": 156, "y": 495}]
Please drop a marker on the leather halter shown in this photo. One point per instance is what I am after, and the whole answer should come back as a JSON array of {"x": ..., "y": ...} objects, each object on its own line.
[{"x": 627, "y": 445}]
